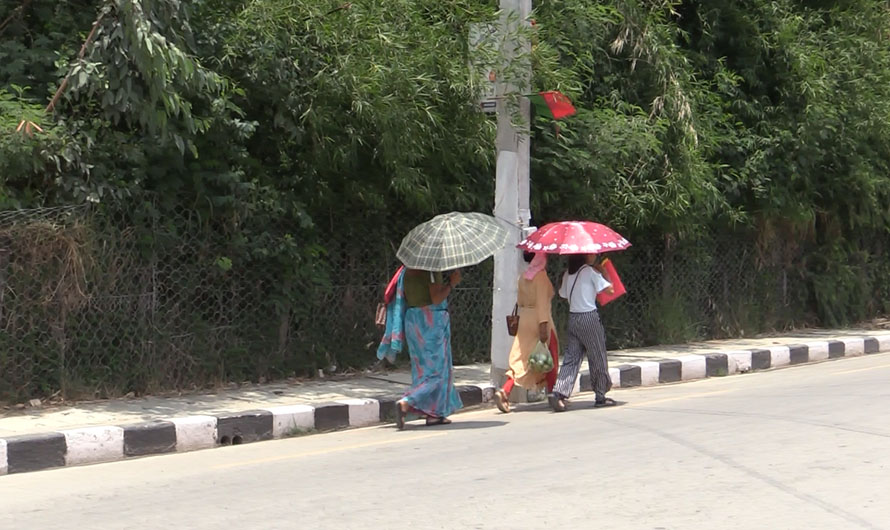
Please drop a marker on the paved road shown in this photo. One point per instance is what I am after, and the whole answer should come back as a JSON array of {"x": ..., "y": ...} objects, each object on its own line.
[{"x": 805, "y": 447}]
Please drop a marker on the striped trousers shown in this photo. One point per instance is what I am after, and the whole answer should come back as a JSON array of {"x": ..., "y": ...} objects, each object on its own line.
[{"x": 585, "y": 336}]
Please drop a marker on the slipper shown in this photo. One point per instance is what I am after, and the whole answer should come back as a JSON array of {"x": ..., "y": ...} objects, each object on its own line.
[
  {"x": 557, "y": 403},
  {"x": 400, "y": 416},
  {"x": 500, "y": 399},
  {"x": 437, "y": 421},
  {"x": 605, "y": 402}
]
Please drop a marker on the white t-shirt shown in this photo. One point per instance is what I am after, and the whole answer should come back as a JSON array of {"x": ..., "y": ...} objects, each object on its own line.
[{"x": 589, "y": 283}]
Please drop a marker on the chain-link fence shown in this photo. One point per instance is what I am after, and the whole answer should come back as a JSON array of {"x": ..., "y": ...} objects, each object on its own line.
[
  {"x": 98, "y": 305},
  {"x": 92, "y": 305}
]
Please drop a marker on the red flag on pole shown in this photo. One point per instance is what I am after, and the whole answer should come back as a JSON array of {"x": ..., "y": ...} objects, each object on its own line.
[{"x": 553, "y": 104}]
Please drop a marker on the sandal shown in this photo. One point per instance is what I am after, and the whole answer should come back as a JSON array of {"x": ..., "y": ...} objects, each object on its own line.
[
  {"x": 557, "y": 403},
  {"x": 605, "y": 402},
  {"x": 500, "y": 399},
  {"x": 400, "y": 416},
  {"x": 437, "y": 421}
]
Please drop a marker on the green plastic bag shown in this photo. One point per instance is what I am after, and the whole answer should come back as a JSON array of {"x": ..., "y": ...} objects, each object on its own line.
[{"x": 540, "y": 360}]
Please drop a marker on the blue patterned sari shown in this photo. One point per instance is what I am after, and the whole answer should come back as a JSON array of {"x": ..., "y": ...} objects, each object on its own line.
[
  {"x": 427, "y": 330},
  {"x": 394, "y": 334},
  {"x": 428, "y": 333}
]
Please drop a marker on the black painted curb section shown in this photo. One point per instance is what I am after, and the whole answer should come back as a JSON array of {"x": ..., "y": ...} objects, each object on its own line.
[
  {"x": 33, "y": 452},
  {"x": 470, "y": 395},
  {"x": 584, "y": 385},
  {"x": 387, "y": 408},
  {"x": 630, "y": 375},
  {"x": 716, "y": 365},
  {"x": 149, "y": 438},
  {"x": 245, "y": 427},
  {"x": 670, "y": 371},
  {"x": 800, "y": 353},
  {"x": 330, "y": 416},
  {"x": 836, "y": 349},
  {"x": 761, "y": 360}
]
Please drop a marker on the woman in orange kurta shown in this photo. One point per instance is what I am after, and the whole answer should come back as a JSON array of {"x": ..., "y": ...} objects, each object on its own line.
[{"x": 535, "y": 325}]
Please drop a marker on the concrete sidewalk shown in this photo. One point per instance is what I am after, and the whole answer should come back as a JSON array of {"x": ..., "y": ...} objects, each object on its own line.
[{"x": 98, "y": 431}]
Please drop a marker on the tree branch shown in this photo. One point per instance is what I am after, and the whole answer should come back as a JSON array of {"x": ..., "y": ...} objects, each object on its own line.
[
  {"x": 15, "y": 12},
  {"x": 81, "y": 55}
]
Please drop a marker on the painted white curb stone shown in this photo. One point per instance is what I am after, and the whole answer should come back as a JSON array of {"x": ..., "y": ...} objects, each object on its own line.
[
  {"x": 362, "y": 412},
  {"x": 853, "y": 346},
  {"x": 779, "y": 356},
  {"x": 615, "y": 376},
  {"x": 649, "y": 372},
  {"x": 4, "y": 468},
  {"x": 883, "y": 342},
  {"x": 195, "y": 432},
  {"x": 694, "y": 367},
  {"x": 94, "y": 444},
  {"x": 818, "y": 351},
  {"x": 488, "y": 392},
  {"x": 287, "y": 419},
  {"x": 738, "y": 362}
]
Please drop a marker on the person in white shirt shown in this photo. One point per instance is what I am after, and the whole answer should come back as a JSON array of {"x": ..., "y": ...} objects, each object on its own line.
[{"x": 583, "y": 280}]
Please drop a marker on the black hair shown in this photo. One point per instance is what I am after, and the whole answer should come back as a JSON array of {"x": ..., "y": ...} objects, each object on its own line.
[
  {"x": 576, "y": 261},
  {"x": 528, "y": 256}
]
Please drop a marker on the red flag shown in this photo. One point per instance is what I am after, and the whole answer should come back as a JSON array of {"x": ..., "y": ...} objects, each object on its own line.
[{"x": 553, "y": 104}]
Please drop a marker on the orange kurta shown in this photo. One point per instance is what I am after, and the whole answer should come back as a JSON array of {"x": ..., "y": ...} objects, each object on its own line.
[{"x": 534, "y": 300}]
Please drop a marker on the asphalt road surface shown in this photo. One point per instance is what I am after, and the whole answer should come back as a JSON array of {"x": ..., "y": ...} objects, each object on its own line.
[{"x": 805, "y": 447}]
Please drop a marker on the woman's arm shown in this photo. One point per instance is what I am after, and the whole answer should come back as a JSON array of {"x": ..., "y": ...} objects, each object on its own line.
[
  {"x": 543, "y": 295},
  {"x": 602, "y": 283},
  {"x": 544, "y": 333},
  {"x": 440, "y": 291}
]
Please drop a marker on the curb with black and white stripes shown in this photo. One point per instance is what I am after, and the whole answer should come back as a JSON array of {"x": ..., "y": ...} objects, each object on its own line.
[
  {"x": 92, "y": 445},
  {"x": 729, "y": 362}
]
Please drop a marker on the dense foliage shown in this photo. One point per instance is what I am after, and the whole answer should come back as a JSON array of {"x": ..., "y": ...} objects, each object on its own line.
[
  {"x": 276, "y": 126},
  {"x": 773, "y": 114}
]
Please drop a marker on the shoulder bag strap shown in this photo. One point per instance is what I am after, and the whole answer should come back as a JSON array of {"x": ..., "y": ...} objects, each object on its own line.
[{"x": 572, "y": 292}]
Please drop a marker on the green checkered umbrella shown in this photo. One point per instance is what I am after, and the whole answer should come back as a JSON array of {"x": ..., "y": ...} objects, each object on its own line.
[{"x": 452, "y": 240}]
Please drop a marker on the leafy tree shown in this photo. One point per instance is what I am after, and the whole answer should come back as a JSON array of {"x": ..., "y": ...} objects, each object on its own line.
[{"x": 265, "y": 129}]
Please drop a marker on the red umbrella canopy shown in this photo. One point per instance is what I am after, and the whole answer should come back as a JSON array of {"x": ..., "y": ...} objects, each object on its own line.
[{"x": 574, "y": 237}]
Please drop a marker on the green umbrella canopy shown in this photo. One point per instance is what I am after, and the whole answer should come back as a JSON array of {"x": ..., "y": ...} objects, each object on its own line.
[{"x": 452, "y": 240}]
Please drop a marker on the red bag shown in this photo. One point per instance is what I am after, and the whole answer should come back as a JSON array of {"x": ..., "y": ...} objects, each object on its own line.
[{"x": 604, "y": 297}]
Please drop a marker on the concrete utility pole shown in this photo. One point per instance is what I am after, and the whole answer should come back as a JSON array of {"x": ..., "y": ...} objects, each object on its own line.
[{"x": 511, "y": 190}]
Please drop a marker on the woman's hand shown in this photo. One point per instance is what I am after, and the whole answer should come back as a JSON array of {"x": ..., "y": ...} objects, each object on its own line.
[
  {"x": 544, "y": 332},
  {"x": 440, "y": 291}
]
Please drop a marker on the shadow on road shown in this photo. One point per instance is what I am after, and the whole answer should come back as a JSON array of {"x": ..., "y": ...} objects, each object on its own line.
[
  {"x": 572, "y": 405},
  {"x": 455, "y": 425}
]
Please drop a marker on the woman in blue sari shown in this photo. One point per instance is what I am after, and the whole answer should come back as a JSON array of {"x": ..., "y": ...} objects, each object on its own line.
[{"x": 418, "y": 315}]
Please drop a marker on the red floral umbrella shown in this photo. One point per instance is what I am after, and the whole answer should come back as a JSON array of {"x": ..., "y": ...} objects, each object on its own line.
[{"x": 574, "y": 237}]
